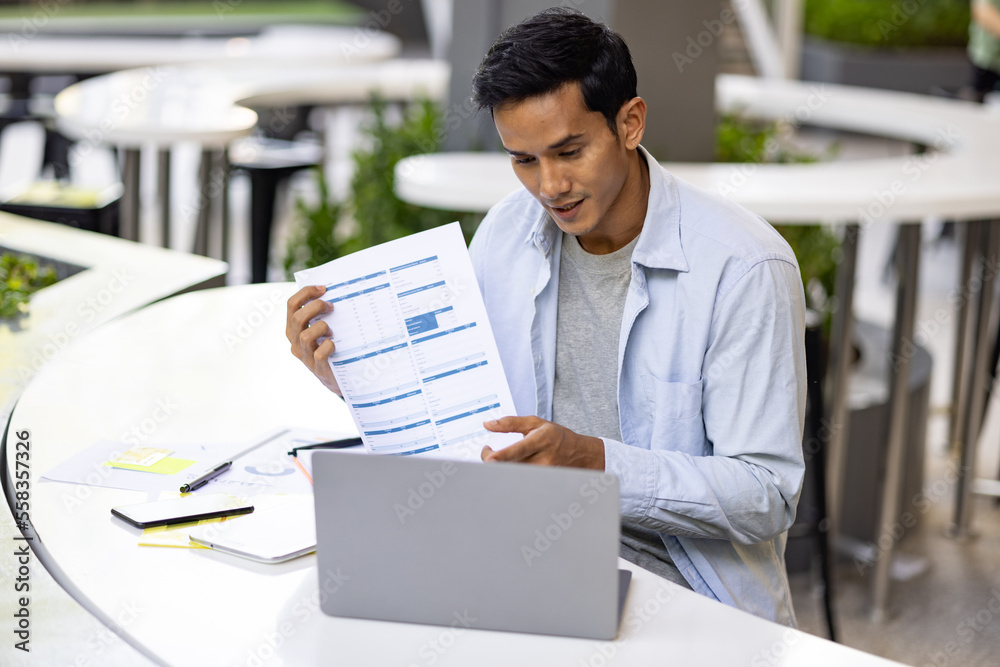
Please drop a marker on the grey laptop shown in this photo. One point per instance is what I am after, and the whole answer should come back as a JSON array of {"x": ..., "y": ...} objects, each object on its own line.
[{"x": 493, "y": 546}]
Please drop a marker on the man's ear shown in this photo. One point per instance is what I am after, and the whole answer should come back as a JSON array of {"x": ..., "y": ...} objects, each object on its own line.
[{"x": 632, "y": 122}]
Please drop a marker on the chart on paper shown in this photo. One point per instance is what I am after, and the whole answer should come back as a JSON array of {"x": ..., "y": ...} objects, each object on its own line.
[{"x": 415, "y": 356}]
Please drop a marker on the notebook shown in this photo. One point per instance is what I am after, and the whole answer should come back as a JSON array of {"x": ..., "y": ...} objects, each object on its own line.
[
  {"x": 497, "y": 546},
  {"x": 272, "y": 535}
]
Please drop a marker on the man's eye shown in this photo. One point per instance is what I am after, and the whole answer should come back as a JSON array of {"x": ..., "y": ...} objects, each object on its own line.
[
  {"x": 522, "y": 160},
  {"x": 570, "y": 153}
]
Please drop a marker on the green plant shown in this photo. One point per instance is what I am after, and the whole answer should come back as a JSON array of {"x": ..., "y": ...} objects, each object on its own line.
[
  {"x": 816, "y": 247},
  {"x": 312, "y": 240},
  {"x": 740, "y": 140},
  {"x": 21, "y": 276},
  {"x": 372, "y": 214},
  {"x": 889, "y": 23}
]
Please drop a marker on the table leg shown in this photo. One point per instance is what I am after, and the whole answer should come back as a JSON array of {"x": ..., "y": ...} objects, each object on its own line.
[
  {"x": 204, "y": 203},
  {"x": 163, "y": 186},
  {"x": 224, "y": 167},
  {"x": 988, "y": 238},
  {"x": 963, "y": 361},
  {"x": 903, "y": 348},
  {"x": 128, "y": 222},
  {"x": 841, "y": 353}
]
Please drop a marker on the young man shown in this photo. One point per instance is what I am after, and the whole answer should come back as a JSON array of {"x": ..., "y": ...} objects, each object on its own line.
[{"x": 646, "y": 328}]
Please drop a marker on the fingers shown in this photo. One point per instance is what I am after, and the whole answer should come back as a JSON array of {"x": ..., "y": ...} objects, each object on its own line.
[
  {"x": 311, "y": 337},
  {"x": 524, "y": 450},
  {"x": 521, "y": 450},
  {"x": 302, "y": 307},
  {"x": 321, "y": 366},
  {"x": 311, "y": 344},
  {"x": 545, "y": 443},
  {"x": 302, "y": 297},
  {"x": 512, "y": 424}
]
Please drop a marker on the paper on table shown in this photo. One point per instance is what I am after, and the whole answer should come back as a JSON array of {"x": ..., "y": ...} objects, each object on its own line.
[
  {"x": 267, "y": 469},
  {"x": 415, "y": 355}
]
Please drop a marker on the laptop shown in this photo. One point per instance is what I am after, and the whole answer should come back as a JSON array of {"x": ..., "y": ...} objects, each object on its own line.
[{"x": 498, "y": 546}]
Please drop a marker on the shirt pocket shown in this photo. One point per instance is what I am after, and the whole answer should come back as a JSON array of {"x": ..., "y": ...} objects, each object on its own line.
[{"x": 675, "y": 408}]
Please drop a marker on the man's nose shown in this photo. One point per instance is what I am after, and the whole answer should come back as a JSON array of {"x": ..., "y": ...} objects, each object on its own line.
[{"x": 553, "y": 181}]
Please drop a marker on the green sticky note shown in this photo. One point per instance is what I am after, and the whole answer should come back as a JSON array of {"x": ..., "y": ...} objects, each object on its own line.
[{"x": 165, "y": 466}]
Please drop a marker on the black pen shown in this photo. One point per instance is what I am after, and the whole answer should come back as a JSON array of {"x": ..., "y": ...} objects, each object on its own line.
[
  {"x": 222, "y": 467},
  {"x": 343, "y": 443},
  {"x": 207, "y": 477}
]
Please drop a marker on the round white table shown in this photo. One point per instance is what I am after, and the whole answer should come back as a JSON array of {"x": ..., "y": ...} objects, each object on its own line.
[
  {"x": 204, "y": 103},
  {"x": 956, "y": 179},
  {"x": 194, "y": 607},
  {"x": 959, "y": 181}
]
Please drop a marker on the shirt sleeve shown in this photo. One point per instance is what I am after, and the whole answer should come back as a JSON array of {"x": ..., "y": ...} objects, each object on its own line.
[{"x": 752, "y": 409}]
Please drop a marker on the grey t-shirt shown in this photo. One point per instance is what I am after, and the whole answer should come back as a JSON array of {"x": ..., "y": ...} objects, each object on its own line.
[{"x": 592, "y": 290}]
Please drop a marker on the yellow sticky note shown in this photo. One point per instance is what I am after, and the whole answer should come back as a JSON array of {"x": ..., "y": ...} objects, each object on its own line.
[
  {"x": 175, "y": 535},
  {"x": 165, "y": 466},
  {"x": 142, "y": 456}
]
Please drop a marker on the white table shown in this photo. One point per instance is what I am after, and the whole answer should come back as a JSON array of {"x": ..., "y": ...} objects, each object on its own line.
[
  {"x": 958, "y": 181},
  {"x": 206, "y": 608},
  {"x": 205, "y": 103},
  {"x": 174, "y": 90}
]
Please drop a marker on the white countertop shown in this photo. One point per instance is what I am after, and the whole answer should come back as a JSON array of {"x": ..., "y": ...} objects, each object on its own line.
[{"x": 122, "y": 276}]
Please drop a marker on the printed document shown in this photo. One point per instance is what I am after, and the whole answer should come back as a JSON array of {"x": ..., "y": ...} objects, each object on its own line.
[{"x": 414, "y": 354}]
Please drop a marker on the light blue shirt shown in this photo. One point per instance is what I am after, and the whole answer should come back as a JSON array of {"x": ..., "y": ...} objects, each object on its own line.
[{"x": 711, "y": 377}]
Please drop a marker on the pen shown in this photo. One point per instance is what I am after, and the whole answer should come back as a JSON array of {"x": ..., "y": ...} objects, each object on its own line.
[
  {"x": 343, "y": 443},
  {"x": 225, "y": 465},
  {"x": 207, "y": 477}
]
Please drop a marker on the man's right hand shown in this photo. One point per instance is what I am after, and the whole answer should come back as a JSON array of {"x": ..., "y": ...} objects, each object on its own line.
[{"x": 312, "y": 345}]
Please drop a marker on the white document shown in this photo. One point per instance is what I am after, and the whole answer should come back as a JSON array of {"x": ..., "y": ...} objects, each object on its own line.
[
  {"x": 266, "y": 469},
  {"x": 415, "y": 355}
]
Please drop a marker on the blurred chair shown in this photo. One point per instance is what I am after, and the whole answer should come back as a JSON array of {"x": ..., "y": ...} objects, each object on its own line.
[{"x": 268, "y": 163}]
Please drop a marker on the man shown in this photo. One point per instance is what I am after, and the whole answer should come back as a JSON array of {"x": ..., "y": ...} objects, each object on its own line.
[{"x": 647, "y": 328}]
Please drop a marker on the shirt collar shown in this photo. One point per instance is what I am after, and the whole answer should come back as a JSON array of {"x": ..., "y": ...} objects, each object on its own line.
[{"x": 659, "y": 244}]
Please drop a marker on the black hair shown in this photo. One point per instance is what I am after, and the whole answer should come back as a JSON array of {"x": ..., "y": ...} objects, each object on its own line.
[{"x": 550, "y": 49}]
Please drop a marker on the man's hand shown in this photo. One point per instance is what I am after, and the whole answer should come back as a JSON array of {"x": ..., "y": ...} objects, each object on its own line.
[
  {"x": 545, "y": 443},
  {"x": 303, "y": 306}
]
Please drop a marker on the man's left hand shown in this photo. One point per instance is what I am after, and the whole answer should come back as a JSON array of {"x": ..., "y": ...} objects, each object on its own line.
[{"x": 545, "y": 443}]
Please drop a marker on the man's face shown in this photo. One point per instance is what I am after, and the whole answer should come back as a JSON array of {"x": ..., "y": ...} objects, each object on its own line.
[{"x": 567, "y": 157}]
